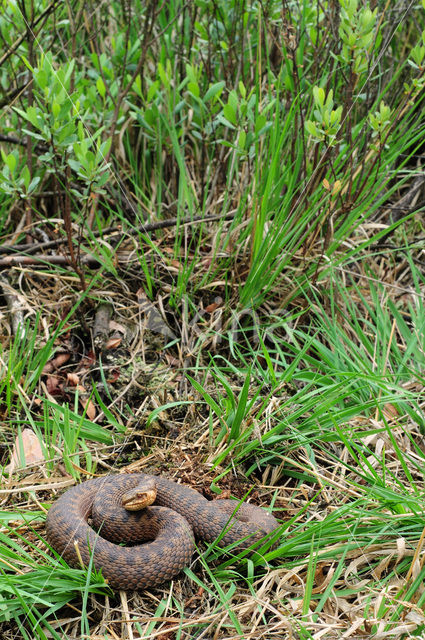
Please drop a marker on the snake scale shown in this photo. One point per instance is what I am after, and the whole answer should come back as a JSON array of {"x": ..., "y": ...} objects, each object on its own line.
[{"x": 179, "y": 514}]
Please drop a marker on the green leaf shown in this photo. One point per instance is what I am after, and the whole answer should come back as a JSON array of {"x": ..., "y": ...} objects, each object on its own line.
[
  {"x": 242, "y": 408},
  {"x": 56, "y": 109},
  {"x": 230, "y": 113},
  {"x": 27, "y": 64},
  {"x": 214, "y": 90},
  {"x": 100, "y": 86},
  {"x": 41, "y": 78},
  {"x": 11, "y": 161},
  {"x": 30, "y": 114},
  {"x": 104, "y": 147},
  {"x": 260, "y": 123},
  {"x": 319, "y": 96},
  {"x": 153, "y": 90},
  {"x": 311, "y": 128},
  {"x": 242, "y": 139},
  {"x": 207, "y": 397},
  {"x": 67, "y": 134},
  {"x": 33, "y": 184},
  {"x": 193, "y": 88},
  {"x": 74, "y": 164},
  {"x": 26, "y": 177}
]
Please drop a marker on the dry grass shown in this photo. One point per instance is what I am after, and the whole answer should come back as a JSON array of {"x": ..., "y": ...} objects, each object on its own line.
[
  {"x": 273, "y": 351},
  {"x": 330, "y": 593}
]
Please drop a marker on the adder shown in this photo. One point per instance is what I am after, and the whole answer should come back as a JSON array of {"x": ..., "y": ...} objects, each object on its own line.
[{"x": 112, "y": 504}]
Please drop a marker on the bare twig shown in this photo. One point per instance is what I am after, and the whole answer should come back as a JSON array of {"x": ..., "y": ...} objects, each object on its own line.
[
  {"x": 19, "y": 260},
  {"x": 144, "y": 228},
  {"x": 14, "y": 304}
]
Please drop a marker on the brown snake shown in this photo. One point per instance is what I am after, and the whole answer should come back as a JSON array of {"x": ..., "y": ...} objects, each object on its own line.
[{"x": 181, "y": 512}]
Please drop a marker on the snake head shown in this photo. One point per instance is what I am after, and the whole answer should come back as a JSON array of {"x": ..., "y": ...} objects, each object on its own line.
[{"x": 141, "y": 496}]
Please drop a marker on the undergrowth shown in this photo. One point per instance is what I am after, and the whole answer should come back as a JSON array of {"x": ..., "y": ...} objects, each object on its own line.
[{"x": 211, "y": 256}]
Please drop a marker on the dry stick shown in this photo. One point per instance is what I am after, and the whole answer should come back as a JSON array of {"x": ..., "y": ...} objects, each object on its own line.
[
  {"x": 14, "y": 261},
  {"x": 10, "y": 97},
  {"x": 407, "y": 203},
  {"x": 14, "y": 305},
  {"x": 101, "y": 324},
  {"x": 40, "y": 147},
  {"x": 144, "y": 228}
]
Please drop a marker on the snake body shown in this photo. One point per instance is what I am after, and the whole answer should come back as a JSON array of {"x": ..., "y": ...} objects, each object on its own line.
[{"x": 179, "y": 514}]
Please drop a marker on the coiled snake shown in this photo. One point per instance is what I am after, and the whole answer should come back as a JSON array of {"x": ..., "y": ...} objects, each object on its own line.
[{"x": 181, "y": 512}]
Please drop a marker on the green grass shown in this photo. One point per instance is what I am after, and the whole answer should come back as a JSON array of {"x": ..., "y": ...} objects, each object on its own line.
[
  {"x": 292, "y": 368},
  {"x": 30, "y": 599}
]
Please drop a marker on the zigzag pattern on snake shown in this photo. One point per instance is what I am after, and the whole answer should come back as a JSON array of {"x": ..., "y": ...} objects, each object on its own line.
[{"x": 179, "y": 514}]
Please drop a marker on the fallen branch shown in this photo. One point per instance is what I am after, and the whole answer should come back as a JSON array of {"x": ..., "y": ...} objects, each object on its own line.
[
  {"x": 144, "y": 228},
  {"x": 15, "y": 261}
]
